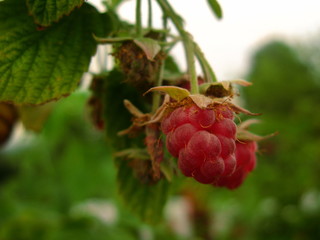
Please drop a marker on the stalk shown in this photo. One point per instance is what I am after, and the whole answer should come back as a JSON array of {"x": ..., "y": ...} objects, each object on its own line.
[
  {"x": 149, "y": 14},
  {"x": 156, "y": 97},
  {"x": 206, "y": 68},
  {"x": 138, "y": 19},
  {"x": 187, "y": 42}
]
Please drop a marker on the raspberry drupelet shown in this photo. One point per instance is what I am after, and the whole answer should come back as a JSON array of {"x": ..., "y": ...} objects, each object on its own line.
[{"x": 203, "y": 140}]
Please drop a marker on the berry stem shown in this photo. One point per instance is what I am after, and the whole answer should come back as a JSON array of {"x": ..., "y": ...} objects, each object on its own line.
[
  {"x": 187, "y": 42},
  {"x": 149, "y": 14},
  {"x": 156, "y": 97},
  {"x": 205, "y": 66},
  {"x": 138, "y": 19}
]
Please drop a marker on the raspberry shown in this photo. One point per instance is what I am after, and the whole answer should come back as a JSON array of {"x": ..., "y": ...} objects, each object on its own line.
[
  {"x": 245, "y": 163},
  {"x": 203, "y": 140}
]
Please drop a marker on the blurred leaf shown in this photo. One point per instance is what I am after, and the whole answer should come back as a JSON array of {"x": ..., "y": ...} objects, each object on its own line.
[
  {"x": 215, "y": 7},
  {"x": 117, "y": 117},
  {"x": 146, "y": 200},
  {"x": 46, "y": 12},
  {"x": 34, "y": 117},
  {"x": 41, "y": 65},
  {"x": 171, "y": 65},
  {"x": 269, "y": 79}
]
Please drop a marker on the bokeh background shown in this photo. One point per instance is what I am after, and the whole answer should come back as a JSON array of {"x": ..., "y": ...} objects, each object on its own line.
[{"x": 61, "y": 183}]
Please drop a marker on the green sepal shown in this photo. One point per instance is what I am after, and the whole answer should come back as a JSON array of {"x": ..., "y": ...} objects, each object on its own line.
[{"x": 177, "y": 93}]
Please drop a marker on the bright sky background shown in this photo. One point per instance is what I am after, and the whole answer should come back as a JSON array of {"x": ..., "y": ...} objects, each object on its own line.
[{"x": 229, "y": 43}]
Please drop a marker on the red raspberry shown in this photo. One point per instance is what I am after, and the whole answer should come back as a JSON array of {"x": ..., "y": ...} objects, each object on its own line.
[
  {"x": 203, "y": 140},
  {"x": 246, "y": 162}
]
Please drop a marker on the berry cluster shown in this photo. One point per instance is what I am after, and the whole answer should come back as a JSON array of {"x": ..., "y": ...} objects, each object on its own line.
[
  {"x": 246, "y": 162},
  {"x": 204, "y": 141}
]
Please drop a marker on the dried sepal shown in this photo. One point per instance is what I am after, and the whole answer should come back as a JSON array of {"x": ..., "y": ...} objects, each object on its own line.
[
  {"x": 133, "y": 153},
  {"x": 246, "y": 136},
  {"x": 132, "y": 109},
  {"x": 243, "y": 135},
  {"x": 154, "y": 146},
  {"x": 222, "y": 89},
  {"x": 238, "y": 109},
  {"x": 246, "y": 124},
  {"x": 201, "y": 101},
  {"x": 149, "y": 46}
]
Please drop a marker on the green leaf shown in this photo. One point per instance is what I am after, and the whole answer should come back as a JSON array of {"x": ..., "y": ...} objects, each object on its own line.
[
  {"x": 34, "y": 117},
  {"x": 146, "y": 200},
  {"x": 149, "y": 46},
  {"x": 49, "y": 11},
  {"x": 117, "y": 117},
  {"x": 39, "y": 66},
  {"x": 216, "y": 8}
]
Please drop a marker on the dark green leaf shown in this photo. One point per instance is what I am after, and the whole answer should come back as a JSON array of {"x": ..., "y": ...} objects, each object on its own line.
[
  {"x": 215, "y": 7},
  {"x": 141, "y": 197},
  {"x": 37, "y": 66},
  {"x": 117, "y": 117},
  {"x": 49, "y": 11},
  {"x": 146, "y": 200}
]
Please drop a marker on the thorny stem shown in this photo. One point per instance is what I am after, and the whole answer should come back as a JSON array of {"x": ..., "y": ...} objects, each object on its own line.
[
  {"x": 138, "y": 19},
  {"x": 149, "y": 14},
  {"x": 206, "y": 68},
  {"x": 187, "y": 42}
]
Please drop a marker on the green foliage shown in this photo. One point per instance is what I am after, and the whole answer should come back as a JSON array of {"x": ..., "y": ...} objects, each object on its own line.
[
  {"x": 215, "y": 7},
  {"x": 273, "y": 203},
  {"x": 40, "y": 65},
  {"x": 270, "y": 79},
  {"x": 47, "y": 12},
  {"x": 117, "y": 117},
  {"x": 145, "y": 199}
]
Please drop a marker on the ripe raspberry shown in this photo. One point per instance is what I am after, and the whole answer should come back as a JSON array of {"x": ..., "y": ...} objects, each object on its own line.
[
  {"x": 203, "y": 140},
  {"x": 246, "y": 162}
]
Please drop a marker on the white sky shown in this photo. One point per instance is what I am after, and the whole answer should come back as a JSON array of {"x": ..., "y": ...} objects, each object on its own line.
[{"x": 246, "y": 24}]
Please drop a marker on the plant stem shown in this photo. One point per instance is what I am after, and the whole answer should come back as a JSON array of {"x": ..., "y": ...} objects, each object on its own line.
[
  {"x": 156, "y": 97},
  {"x": 206, "y": 68},
  {"x": 149, "y": 14},
  {"x": 187, "y": 42},
  {"x": 138, "y": 19}
]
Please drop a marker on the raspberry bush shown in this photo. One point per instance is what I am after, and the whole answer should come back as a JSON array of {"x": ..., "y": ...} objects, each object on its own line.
[{"x": 155, "y": 138}]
